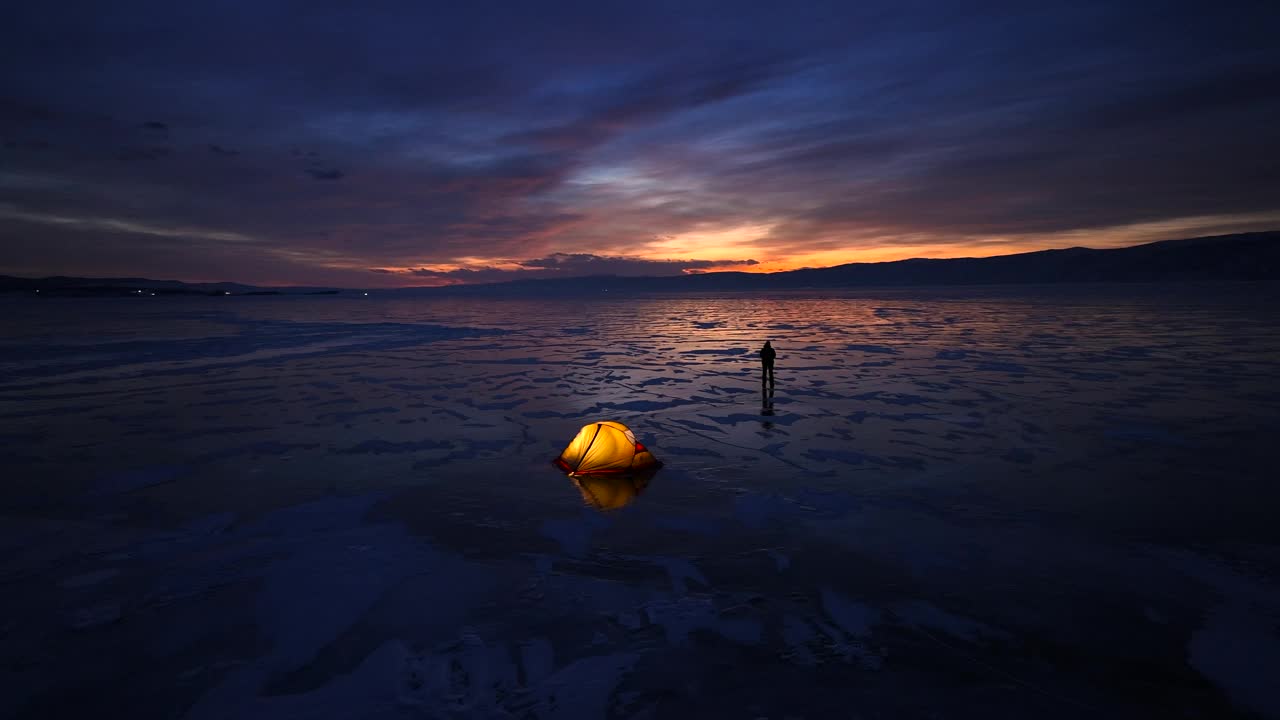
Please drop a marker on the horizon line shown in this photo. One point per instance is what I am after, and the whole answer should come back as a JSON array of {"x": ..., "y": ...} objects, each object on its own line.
[{"x": 641, "y": 277}]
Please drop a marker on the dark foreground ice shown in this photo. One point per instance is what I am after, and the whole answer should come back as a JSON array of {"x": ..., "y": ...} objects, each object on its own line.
[{"x": 1019, "y": 503}]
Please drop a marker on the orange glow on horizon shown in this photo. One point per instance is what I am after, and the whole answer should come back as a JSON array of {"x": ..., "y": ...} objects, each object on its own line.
[
  {"x": 770, "y": 265},
  {"x": 895, "y": 253},
  {"x": 733, "y": 245}
]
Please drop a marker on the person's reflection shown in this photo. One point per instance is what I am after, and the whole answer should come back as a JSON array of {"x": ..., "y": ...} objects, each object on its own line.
[{"x": 766, "y": 405}]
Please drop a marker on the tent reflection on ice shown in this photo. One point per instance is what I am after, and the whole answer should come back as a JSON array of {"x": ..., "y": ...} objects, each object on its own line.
[
  {"x": 603, "y": 448},
  {"x": 611, "y": 491}
]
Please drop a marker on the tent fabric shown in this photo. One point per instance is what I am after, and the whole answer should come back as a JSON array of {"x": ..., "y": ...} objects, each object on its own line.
[{"x": 605, "y": 447}]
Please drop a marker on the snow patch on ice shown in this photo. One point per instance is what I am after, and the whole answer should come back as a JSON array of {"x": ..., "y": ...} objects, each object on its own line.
[
  {"x": 137, "y": 479},
  {"x": 853, "y": 617},
  {"x": 89, "y": 578},
  {"x": 574, "y": 535},
  {"x": 918, "y": 613}
]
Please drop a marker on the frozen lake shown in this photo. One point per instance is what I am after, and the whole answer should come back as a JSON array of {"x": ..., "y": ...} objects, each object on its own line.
[{"x": 961, "y": 503}]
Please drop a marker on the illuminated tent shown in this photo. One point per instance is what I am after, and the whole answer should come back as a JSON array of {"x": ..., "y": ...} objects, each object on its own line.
[{"x": 605, "y": 447}]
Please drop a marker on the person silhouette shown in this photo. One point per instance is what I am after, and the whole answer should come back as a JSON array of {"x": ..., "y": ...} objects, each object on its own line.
[{"x": 767, "y": 354}]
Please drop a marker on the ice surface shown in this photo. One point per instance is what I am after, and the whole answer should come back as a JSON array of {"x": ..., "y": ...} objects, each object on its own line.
[
  {"x": 1239, "y": 650},
  {"x": 855, "y": 618},
  {"x": 981, "y": 503}
]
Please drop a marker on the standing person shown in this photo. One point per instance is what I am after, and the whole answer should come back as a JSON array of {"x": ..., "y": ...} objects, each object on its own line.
[{"x": 767, "y": 355}]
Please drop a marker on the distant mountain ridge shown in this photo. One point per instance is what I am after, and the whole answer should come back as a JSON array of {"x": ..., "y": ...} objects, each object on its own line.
[
  {"x": 1245, "y": 256},
  {"x": 123, "y": 287}
]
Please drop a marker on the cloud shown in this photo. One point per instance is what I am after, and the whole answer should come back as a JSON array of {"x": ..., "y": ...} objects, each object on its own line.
[
  {"x": 566, "y": 265},
  {"x": 324, "y": 173},
  {"x": 649, "y": 99},
  {"x": 602, "y": 131},
  {"x": 589, "y": 264},
  {"x": 27, "y": 144},
  {"x": 145, "y": 153},
  {"x": 122, "y": 225}
]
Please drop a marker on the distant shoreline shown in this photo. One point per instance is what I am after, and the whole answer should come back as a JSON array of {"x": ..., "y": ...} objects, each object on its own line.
[
  {"x": 1193, "y": 288},
  {"x": 1248, "y": 257}
]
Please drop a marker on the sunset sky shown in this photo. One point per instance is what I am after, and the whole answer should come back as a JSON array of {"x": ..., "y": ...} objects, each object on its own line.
[{"x": 412, "y": 143}]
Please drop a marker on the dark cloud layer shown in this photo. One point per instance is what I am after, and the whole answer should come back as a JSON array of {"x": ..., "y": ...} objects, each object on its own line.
[
  {"x": 563, "y": 265},
  {"x": 283, "y": 141}
]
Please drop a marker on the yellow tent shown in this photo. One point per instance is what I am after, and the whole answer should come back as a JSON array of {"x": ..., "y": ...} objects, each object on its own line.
[{"x": 605, "y": 447}]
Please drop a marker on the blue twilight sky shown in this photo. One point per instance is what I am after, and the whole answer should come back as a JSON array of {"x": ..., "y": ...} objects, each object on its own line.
[{"x": 396, "y": 142}]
